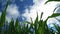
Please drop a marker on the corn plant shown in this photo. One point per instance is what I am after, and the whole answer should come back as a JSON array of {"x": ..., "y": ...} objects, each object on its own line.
[
  {"x": 38, "y": 27},
  {"x": 3, "y": 17}
]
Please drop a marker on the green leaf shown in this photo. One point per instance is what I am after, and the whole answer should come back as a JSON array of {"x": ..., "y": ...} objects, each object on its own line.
[
  {"x": 36, "y": 20},
  {"x": 40, "y": 21},
  {"x": 58, "y": 19},
  {"x": 17, "y": 26},
  {"x": 11, "y": 27},
  {"x": 31, "y": 20},
  {"x": 41, "y": 15},
  {"x": 57, "y": 28},
  {"x": 8, "y": 2},
  {"x": 54, "y": 15},
  {"x": 40, "y": 31},
  {"x": 36, "y": 24},
  {"x": 16, "y": 23},
  {"x": 12, "y": 22},
  {"x": 55, "y": 9},
  {"x": 51, "y": 0},
  {"x": 3, "y": 15}
]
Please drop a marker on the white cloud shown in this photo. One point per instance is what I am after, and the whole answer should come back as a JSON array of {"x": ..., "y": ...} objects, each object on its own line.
[
  {"x": 39, "y": 7},
  {"x": 8, "y": 18},
  {"x": 39, "y": 1},
  {"x": 51, "y": 21},
  {"x": 12, "y": 12}
]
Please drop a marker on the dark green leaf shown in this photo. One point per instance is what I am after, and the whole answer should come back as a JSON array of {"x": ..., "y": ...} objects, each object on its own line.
[
  {"x": 17, "y": 22},
  {"x": 57, "y": 28},
  {"x": 52, "y": 0},
  {"x": 3, "y": 16},
  {"x": 36, "y": 20},
  {"x": 58, "y": 19},
  {"x": 41, "y": 15},
  {"x": 36, "y": 24},
  {"x": 17, "y": 26},
  {"x": 54, "y": 15}
]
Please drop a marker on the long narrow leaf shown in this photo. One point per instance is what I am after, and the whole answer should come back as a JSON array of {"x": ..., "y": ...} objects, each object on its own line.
[
  {"x": 51, "y": 0},
  {"x": 54, "y": 15}
]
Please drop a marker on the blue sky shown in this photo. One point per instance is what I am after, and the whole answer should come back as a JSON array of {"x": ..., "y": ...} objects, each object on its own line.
[
  {"x": 18, "y": 7},
  {"x": 24, "y": 9}
]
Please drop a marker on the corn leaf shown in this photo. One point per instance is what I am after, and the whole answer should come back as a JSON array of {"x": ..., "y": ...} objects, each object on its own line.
[
  {"x": 3, "y": 16},
  {"x": 17, "y": 26},
  {"x": 57, "y": 28},
  {"x": 11, "y": 27},
  {"x": 58, "y": 19},
  {"x": 54, "y": 15},
  {"x": 51, "y": 0},
  {"x": 41, "y": 15},
  {"x": 36, "y": 24}
]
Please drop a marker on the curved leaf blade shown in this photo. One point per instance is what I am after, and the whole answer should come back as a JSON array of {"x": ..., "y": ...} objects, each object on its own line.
[
  {"x": 54, "y": 15},
  {"x": 52, "y": 0}
]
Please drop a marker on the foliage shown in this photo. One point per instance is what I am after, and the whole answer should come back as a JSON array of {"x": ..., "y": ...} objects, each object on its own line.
[
  {"x": 52, "y": 0},
  {"x": 38, "y": 27}
]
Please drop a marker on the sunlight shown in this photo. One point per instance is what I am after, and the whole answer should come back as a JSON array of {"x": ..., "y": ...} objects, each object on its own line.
[{"x": 37, "y": 7}]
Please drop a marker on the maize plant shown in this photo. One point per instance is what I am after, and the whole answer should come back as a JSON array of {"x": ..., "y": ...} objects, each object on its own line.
[{"x": 38, "y": 27}]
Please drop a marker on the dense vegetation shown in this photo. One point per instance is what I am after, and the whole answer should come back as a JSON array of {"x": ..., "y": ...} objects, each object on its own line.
[{"x": 38, "y": 27}]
